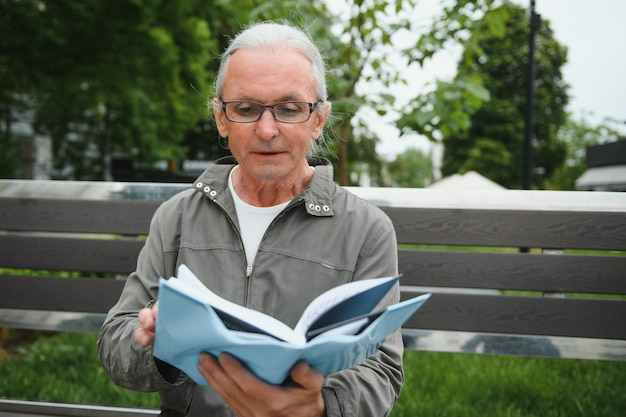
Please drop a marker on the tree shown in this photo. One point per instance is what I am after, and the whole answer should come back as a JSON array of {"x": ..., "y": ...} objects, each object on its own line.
[
  {"x": 16, "y": 83},
  {"x": 356, "y": 50},
  {"x": 367, "y": 54},
  {"x": 118, "y": 77},
  {"x": 493, "y": 144},
  {"x": 109, "y": 76},
  {"x": 446, "y": 110},
  {"x": 412, "y": 169}
]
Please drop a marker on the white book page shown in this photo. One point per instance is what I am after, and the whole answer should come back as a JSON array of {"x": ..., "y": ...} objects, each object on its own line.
[
  {"x": 331, "y": 298},
  {"x": 189, "y": 284}
]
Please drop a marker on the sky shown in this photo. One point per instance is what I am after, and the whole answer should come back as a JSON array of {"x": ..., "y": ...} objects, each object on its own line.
[{"x": 594, "y": 33}]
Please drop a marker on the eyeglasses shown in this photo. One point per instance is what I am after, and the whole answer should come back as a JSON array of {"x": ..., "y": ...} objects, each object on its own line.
[{"x": 244, "y": 111}]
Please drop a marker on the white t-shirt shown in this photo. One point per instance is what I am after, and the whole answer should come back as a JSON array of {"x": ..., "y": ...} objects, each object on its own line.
[{"x": 253, "y": 221}]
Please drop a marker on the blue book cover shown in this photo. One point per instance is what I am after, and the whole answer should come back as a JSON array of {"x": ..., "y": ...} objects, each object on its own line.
[{"x": 330, "y": 336}]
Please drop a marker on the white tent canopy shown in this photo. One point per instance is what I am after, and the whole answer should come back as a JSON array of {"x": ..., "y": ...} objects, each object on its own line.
[{"x": 471, "y": 180}]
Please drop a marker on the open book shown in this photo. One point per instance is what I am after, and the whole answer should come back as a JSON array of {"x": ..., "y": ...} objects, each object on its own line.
[{"x": 339, "y": 329}]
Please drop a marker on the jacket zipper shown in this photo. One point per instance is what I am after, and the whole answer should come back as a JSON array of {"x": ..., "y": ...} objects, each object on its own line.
[{"x": 248, "y": 268}]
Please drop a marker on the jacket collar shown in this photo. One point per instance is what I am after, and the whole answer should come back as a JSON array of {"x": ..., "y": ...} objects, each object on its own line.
[{"x": 317, "y": 197}]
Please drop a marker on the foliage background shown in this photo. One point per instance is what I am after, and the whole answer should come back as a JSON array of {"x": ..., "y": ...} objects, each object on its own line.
[{"x": 128, "y": 78}]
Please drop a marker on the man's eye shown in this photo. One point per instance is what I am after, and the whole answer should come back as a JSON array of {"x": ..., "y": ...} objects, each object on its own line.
[
  {"x": 290, "y": 109},
  {"x": 243, "y": 110},
  {"x": 286, "y": 111}
]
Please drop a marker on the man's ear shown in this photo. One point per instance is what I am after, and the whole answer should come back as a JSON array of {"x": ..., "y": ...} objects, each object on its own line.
[
  {"x": 220, "y": 119},
  {"x": 322, "y": 117}
]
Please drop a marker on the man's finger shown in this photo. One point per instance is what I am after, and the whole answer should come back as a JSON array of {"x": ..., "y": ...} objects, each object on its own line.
[{"x": 305, "y": 376}]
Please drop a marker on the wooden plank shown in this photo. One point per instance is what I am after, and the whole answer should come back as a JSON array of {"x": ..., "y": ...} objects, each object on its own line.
[
  {"x": 76, "y": 216},
  {"x": 92, "y": 295},
  {"x": 512, "y": 228},
  {"x": 581, "y": 230},
  {"x": 21, "y": 408},
  {"x": 456, "y": 312},
  {"x": 522, "y": 315},
  {"x": 69, "y": 254},
  {"x": 491, "y": 314},
  {"x": 514, "y": 271}
]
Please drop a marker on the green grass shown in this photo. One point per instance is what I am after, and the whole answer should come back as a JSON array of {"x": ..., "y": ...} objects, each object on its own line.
[
  {"x": 469, "y": 385},
  {"x": 64, "y": 368}
]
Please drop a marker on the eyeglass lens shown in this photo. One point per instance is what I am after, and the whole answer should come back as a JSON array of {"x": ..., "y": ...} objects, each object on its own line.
[{"x": 249, "y": 111}]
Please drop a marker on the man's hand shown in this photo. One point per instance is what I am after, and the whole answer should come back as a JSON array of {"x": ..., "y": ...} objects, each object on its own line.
[
  {"x": 145, "y": 334},
  {"x": 248, "y": 396}
]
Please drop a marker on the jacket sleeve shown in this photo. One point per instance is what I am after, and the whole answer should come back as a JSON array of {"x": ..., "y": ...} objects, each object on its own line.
[
  {"x": 128, "y": 363},
  {"x": 371, "y": 389}
]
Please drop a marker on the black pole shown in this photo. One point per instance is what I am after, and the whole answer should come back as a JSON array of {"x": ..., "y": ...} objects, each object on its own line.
[{"x": 535, "y": 21}]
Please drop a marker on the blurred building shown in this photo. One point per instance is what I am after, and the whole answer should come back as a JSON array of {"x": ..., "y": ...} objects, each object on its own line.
[{"x": 606, "y": 168}]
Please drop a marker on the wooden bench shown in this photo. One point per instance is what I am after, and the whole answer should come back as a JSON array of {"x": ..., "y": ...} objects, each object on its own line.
[{"x": 533, "y": 273}]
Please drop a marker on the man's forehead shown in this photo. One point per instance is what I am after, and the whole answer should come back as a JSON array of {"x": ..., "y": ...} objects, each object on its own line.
[
  {"x": 267, "y": 55},
  {"x": 286, "y": 72}
]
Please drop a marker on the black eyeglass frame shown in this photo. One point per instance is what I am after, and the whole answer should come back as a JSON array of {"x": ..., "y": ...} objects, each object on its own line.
[{"x": 312, "y": 107}]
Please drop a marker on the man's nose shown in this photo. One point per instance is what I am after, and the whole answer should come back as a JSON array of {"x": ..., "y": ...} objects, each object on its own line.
[{"x": 267, "y": 126}]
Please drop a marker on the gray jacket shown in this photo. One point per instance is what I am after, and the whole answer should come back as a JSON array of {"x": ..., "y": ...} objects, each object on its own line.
[{"x": 325, "y": 237}]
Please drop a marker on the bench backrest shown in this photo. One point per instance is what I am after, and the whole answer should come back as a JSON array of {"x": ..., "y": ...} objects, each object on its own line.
[{"x": 520, "y": 272}]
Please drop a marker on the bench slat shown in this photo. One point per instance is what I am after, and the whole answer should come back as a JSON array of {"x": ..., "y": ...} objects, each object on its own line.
[
  {"x": 514, "y": 271},
  {"x": 19, "y": 408},
  {"x": 456, "y": 312},
  {"x": 522, "y": 315},
  {"x": 512, "y": 228},
  {"x": 504, "y": 271},
  {"x": 69, "y": 254},
  {"x": 91, "y": 295},
  {"x": 78, "y": 216}
]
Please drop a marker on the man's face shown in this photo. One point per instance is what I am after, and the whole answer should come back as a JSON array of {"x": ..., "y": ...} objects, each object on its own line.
[{"x": 268, "y": 150}]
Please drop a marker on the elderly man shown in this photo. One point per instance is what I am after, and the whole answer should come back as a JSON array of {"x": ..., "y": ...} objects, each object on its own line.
[{"x": 267, "y": 229}]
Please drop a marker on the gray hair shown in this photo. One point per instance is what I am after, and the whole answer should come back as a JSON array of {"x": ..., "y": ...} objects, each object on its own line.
[{"x": 275, "y": 36}]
